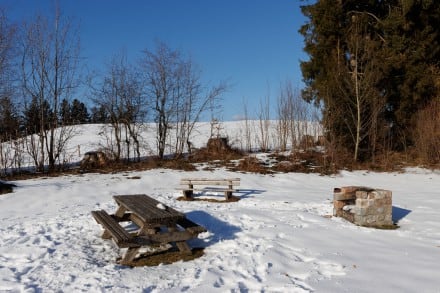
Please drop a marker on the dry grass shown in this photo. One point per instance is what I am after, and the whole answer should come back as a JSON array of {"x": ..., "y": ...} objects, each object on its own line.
[
  {"x": 251, "y": 164},
  {"x": 217, "y": 149},
  {"x": 218, "y": 154},
  {"x": 427, "y": 133}
]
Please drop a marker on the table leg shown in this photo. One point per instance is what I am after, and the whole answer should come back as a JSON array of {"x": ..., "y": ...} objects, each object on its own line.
[
  {"x": 146, "y": 230},
  {"x": 228, "y": 194},
  {"x": 129, "y": 255},
  {"x": 120, "y": 211},
  {"x": 181, "y": 245},
  {"x": 188, "y": 193}
]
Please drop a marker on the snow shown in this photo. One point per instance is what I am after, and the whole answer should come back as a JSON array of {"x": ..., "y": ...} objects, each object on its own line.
[{"x": 279, "y": 237}]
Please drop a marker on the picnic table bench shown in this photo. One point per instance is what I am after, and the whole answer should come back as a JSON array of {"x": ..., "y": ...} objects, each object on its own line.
[
  {"x": 156, "y": 224},
  {"x": 193, "y": 184}
]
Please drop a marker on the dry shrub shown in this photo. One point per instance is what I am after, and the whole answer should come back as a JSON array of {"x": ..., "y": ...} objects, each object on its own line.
[
  {"x": 388, "y": 161},
  {"x": 146, "y": 164},
  {"x": 427, "y": 133},
  {"x": 216, "y": 149},
  {"x": 335, "y": 156},
  {"x": 94, "y": 160},
  {"x": 309, "y": 161},
  {"x": 307, "y": 141},
  {"x": 251, "y": 164},
  {"x": 180, "y": 164}
]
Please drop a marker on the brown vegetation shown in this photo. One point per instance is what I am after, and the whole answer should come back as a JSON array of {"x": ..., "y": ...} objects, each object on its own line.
[
  {"x": 427, "y": 134},
  {"x": 251, "y": 164},
  {"x": 216, "y": 149}
]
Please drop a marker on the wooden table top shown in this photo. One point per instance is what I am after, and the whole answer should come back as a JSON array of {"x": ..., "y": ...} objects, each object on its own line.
[{"x": 148, "y": 209}]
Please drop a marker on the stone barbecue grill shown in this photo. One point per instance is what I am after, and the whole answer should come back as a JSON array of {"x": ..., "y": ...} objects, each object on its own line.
[{"x": 364, "y": 206}]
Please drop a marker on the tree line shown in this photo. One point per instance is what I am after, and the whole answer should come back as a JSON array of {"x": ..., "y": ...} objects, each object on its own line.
[
  {"x": 40, "y": 62},
  {"x": 374, "y": 69}
]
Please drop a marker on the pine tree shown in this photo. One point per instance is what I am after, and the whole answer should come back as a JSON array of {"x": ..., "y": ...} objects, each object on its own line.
[
  {"x": 9, "y": 122},
  {"x": 65, "y": 113},
  {"x": 36, "y": 116},
  {"x": 372, "y": 66},
  {"x": 99, "y": 115},
  {"x": 79, "y": 112}
]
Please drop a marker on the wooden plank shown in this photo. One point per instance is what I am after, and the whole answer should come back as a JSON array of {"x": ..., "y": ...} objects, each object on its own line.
[
  {"x": 190, "y": 226},
  {"x": 210, "y": 189},
  {"x": 146, "y": 208},
  {"x": 165, "y": 237},
  {"x": 208, "y": 179},
  {"x": 181, "y": 244},
  {"x": 119, "y": 235},
  {"x": 227, "y": 182},
  {"x": 213, "y": 182}
]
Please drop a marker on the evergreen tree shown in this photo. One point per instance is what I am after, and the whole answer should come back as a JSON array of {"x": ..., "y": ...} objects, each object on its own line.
[
  {"x": 37, "y": 117},
  {"x": 372, "y": 66},
  {"x": 99, "y": 115},
  {"x": 9, "y": 122},
  {"x": 411, "y": 60},
  {"x": 65, "y": 113},
  {"x": 79, "y": 112}
]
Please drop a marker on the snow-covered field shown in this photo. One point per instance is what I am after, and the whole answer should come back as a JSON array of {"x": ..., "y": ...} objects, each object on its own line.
[{"x": 277, "y": 238}]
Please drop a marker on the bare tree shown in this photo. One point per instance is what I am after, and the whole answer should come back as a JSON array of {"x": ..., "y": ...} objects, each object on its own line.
[
  {"x": 50, "y": 57},
  {"x": 247, "y": 128},
  {"x": 8, "y": 34},
  {"x": 119, "y": 94},
  {"x": 285, "y": 116},
  {"x": 427, "y": 133},
  {"x": 176, "y": 95},
  {"x": 360, "y": 104},
  {"x": 196, "y": 102},
  {"x": 9, "y": 122},
  {"x": 264, "y": 124}
]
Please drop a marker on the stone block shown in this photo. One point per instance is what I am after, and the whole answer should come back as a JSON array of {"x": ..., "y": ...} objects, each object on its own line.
[
  {"x": 363, "y": 203},
  {"x": 364, "y": 206},
  {"x": 343, "y": 196},
  {"x": 385, "y": 193},
  {"x": 388, "y": 210},
  {"x": 353, "y": 189},
  {"x": 348, "y": 216},
  {"x": 349, "y": 189},
  {"x": 389, "y": 219},
  {"x": 337, "y": 208},
  {"x": 362, "y": 194},
  {"x": 373, "y": 195},
  {"x": 338, "y": 204},
  {"x": 383, "y": 202}
]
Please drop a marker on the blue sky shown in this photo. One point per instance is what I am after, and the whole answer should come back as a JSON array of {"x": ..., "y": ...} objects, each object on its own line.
[{"x": 252, "y": 44}]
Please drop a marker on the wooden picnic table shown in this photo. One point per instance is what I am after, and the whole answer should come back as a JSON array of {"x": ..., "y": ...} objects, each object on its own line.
[{"x": 156, "y": 222}]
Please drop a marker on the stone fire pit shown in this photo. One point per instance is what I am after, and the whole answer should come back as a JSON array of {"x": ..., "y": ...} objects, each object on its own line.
[{"x": 364, "y": 206}]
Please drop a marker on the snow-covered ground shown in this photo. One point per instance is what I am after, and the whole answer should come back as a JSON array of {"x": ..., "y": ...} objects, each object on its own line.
[{"x": 277, "y": 238}]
